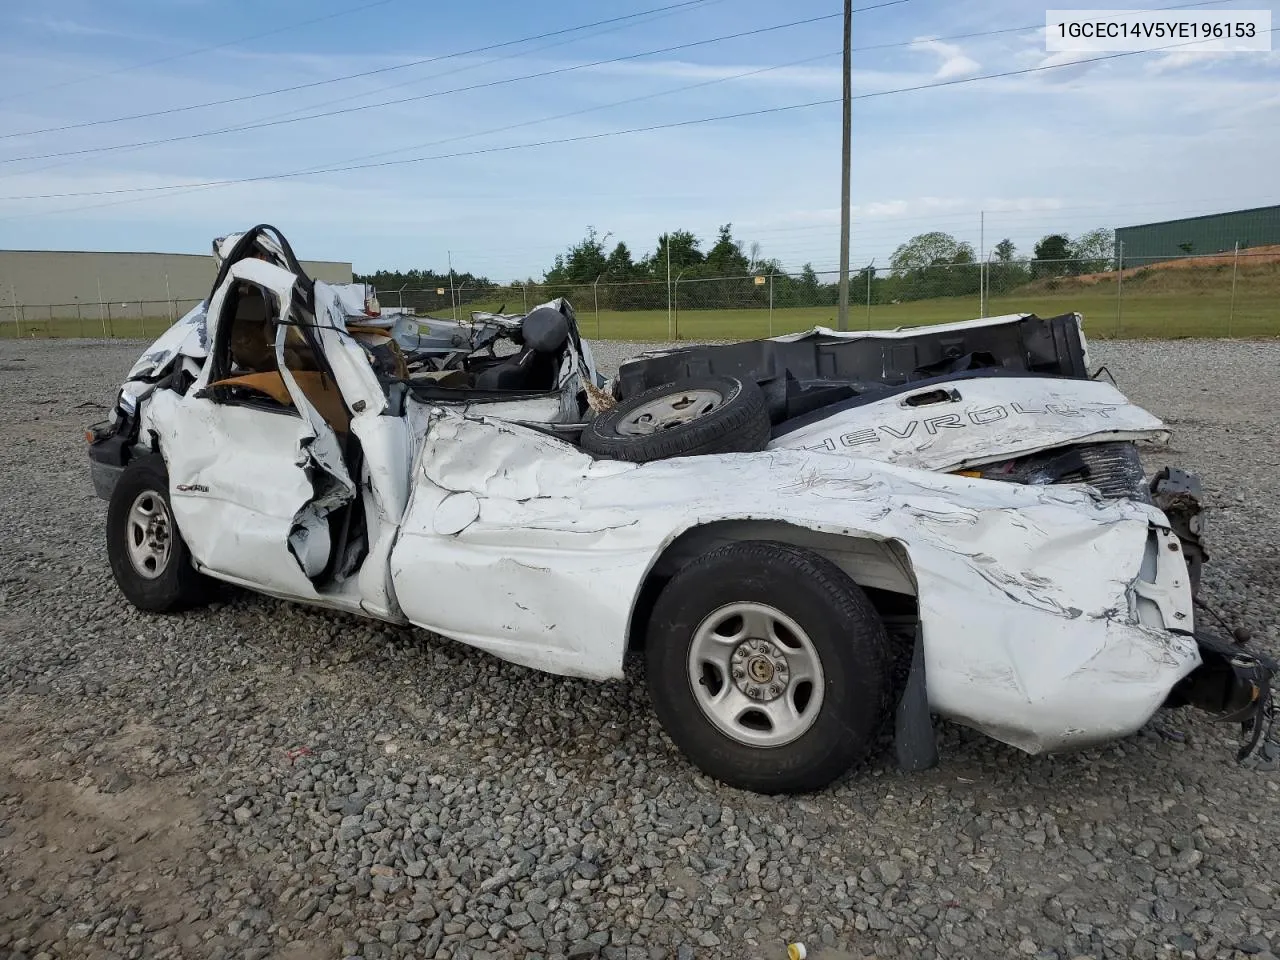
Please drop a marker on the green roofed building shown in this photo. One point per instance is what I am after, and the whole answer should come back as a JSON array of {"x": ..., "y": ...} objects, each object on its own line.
[{"x": 1199, "y": 236}]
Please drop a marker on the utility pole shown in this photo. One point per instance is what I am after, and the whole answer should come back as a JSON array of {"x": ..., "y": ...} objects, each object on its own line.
[{"x": 842, "y": 318}]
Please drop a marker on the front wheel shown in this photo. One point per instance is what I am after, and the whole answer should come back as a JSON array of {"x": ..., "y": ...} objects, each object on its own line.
[
  {"x": 768, "y": 667},
  {"x": 149, "y": 559}
]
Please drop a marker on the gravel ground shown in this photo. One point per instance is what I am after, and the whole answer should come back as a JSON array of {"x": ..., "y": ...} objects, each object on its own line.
[{"x": 263, "y": 780}]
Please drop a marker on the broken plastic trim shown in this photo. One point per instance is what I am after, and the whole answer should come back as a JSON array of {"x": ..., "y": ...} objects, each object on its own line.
[{"x": 1235, "y": 685}]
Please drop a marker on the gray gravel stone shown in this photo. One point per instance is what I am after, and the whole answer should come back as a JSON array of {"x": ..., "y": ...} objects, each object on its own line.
[{"x": 258, "y": 778}]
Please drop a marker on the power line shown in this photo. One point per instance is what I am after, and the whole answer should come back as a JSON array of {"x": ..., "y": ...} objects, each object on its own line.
[
  {"x": 438, "y": 93},
  {"x": 466, "y": 136},
  {"x": 507, "y": 43},
  {"x": 352, "y": 76},
  {"x": 592, "y": 109},
  {"x": 660, "y": 11},
  {"x": 346, "y": 168},
  {"x": 199, "y": 50},
  {"x": 625, "y": 23}
]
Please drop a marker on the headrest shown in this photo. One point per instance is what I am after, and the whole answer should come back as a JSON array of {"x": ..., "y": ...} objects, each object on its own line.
[{"x": 544, "y": 330}]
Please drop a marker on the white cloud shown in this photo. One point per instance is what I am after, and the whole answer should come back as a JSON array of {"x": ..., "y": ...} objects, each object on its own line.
[
  {"x": 75, "y": 28},
  {"x": 955, "y": 62},
  {"x": 1184, "y": 59}
]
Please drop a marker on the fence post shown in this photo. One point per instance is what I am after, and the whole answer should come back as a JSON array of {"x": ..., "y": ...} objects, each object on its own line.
[
  {"x": 168, "y": 295},
  {"x": 871, "y": 272},
  {"x": 595, "y": 295},
  {"x": 1119, "y": 285},
  {"x": 111, "y": 324},
  {"x": 49, "y": 330},
  {"x": 675, "y": 307},
  {"x": 771, "y": 302},
  {"x": 79, "y": 318},
  {"x": 671, "y": 321},
  {"x": 13, "y": 300},
  {"x": 102, "y": 318},
  {"x": 142, "y": 323},
  {"x": 1235, "y": 262}
]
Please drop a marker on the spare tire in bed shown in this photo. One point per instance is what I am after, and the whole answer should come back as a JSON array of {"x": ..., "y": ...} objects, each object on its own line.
[{"x": 687, "y": 418}]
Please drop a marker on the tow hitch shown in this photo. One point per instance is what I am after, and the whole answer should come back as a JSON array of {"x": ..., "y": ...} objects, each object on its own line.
[{"x": 1232, "y": 684}]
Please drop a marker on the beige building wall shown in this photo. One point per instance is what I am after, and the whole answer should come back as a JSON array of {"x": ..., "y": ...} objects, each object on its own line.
[{"x": 37, "y": 278}]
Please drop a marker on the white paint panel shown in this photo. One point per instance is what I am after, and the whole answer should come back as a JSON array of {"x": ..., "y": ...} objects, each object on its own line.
[
  {"x": 1025, "y": 592},
  {"x": 236, "y": 512}
]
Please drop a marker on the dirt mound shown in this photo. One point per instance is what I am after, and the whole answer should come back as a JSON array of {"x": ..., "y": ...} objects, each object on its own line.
[
  {"x": 1171, "y": 274},
  {"x": 1253, "y": 256}
]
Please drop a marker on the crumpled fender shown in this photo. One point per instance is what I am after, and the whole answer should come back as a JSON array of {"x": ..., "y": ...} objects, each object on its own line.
[{"x": 520, "y": 544}]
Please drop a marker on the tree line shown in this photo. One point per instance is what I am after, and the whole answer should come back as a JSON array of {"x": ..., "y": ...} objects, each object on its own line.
[
  {"x": 935, "y": 264},
  {"x": 732, "y": 273}
]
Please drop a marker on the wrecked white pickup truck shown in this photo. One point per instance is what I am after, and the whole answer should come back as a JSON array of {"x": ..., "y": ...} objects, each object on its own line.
[{"x": 807, "y": 537}]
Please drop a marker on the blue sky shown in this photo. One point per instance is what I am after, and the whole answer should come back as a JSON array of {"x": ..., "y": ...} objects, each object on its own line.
[{"x": 1142, "y": 138}]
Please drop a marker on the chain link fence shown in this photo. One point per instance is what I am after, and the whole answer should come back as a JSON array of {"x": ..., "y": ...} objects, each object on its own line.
[
  {"x": 129, "y": 319},
  {"x": 1234, "y": 294}
]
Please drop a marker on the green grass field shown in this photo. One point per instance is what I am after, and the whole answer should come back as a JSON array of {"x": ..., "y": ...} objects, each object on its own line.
[
  {"x": 1142, "y": 315},
  {"x": 1159, "y": 304}
]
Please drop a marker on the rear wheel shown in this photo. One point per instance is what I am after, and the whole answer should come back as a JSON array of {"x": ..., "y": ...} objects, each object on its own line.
[
  {"x": 149, "y": 559},
  {"x": 768, "y": 667}
]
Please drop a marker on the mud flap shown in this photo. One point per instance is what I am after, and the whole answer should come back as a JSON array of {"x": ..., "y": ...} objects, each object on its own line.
[{"x": 913, "y": 734}]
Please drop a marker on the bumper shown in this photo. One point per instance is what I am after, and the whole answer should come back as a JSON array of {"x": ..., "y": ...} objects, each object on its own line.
[
  {"x": 105, "y": 476},
  {"x": 1121, "y": 687},
  {"x": 108, "y": 456},
  {"x": 1060, "y": 678}
]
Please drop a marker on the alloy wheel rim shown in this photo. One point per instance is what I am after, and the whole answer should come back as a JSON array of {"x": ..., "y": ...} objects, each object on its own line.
[
  {"x": 670, "y": 410},
  {"x": 149, "y": 533},
  {"x": 756, "y": 674}
]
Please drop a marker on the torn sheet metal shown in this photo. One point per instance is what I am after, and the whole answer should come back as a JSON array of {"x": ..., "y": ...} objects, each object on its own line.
[
  {"x": 361, "y": 391},
  {"x": 1024, "y": 592},
  {"x": 257, "y": 516},
  {"x": 236, "y": 513},
  {"x": 952, "y": 425},
  {"x": 188, "y": 337}
]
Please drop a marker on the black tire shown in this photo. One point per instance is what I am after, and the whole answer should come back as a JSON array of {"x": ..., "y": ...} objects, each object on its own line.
[
  {"x": 175, "y": 584},
  {"x": 738, "y": 423},
  {"x": 849, "y": 638}
]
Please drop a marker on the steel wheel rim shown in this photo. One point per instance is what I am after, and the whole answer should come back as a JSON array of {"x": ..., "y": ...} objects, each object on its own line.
[
  {"x": 755, "y": 674},
  {"x": 149, "y": 535},
  {"x": 670, "y": 410}
]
